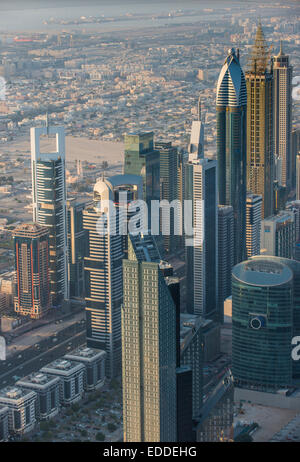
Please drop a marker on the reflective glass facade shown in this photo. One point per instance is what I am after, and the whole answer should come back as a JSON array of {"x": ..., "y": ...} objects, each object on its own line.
[{"x": 262, "y": 323}]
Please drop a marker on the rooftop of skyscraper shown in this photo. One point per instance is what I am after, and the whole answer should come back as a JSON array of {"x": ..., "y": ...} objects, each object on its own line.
[{"x": 262, "y": 272}]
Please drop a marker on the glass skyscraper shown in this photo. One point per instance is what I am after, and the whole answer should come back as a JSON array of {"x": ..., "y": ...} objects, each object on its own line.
[
  {"x": 49, "y": 205},
  {"x": 265, "y": 304},
  {"x": 168, "y": 189},
  {"x": 141, "y": 158},
  {"x": 76, "y": 247},
  {"x": 202, "y": 255},
  {"x": 282, "y": 71},
  {"x": 231, "y": 146},
  {"x": 103, "y": 280},
  {"x": 148, "y": 346}
]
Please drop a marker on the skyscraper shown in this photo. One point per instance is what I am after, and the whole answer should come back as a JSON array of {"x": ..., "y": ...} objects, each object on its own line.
[
  {"x": 260, "y": 156},
  {"x": 148, "y": 346},
  {"x": 278, "y": 235},
  {"x": 168, "y": 188},
  {"x": 225, "y": 254},
  {"x": 282, "y": 72},
  {"x": 103, "y": 279},
  {"x": 192, "y": 355},
  {"x": 196, "y": 145},
  {"x": 202, "y": 255},
  {"x": 253, "y": 224},
  {"x": 141, "y": 158},
  {"x": 31, "y": 243},
  {"x": 76, "y": 247},
  {"x": 265, "y": 303},
  {"x": 231, "y": 146},
  {"x": 49, "y": 205},
  {"x": 181, "y": 162}
]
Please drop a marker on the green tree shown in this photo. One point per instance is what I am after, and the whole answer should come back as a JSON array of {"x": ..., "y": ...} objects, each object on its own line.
[
  {"x": 100, "y": 436},
  {"x": 111, "y": 427}
]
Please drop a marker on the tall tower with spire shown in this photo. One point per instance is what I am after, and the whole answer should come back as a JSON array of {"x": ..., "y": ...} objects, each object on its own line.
[
  {"x": 260, "y": 156},
  {"x": 283, "y": 118},
  {"x": 231, "y": 146},
  {"x": 196, "y": 145}
]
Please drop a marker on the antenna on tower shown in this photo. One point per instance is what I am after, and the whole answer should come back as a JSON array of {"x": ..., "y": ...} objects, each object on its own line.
[
  {"x": 260, "y": 52},
  {"x": 281, "y": 52}
]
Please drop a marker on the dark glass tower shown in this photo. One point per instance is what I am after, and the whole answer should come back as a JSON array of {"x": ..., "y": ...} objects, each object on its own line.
[
  {"x": 265, "y": 317},
  {"x": 142, "y": 159},
  {"x": 76, "y": 247},
  {"x": 231, "y": 146}
]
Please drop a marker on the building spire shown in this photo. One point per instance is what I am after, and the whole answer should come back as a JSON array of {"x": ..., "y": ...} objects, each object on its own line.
[{"x": 260, "y": 52}]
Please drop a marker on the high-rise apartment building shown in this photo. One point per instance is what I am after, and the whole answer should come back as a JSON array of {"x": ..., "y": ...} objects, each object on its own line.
[
  {"x": 76, "y": 247},
  {"x": 168, "y": 190},
  {"x": 49, "y": 205},
  {"x": 278, "y": 235},
  {"x": 231, "y": 146},
  {"x": 103, "y": 277},
  {"x": 148, "y": 346},
  {"x": 181, "y": 162},
  {"x": 282, "y": 95},
  {"x": 260, "y": 156},
  {"x": 31, "y": 244},
  {"x": 202, "y": 248},
  {"x": 253, "y": 224},
  {"x": 225, "y": 254}
]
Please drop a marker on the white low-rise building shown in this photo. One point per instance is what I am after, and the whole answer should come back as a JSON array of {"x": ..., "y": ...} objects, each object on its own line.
[
  {"x": 94, "y": 362},
  {"x": 71, "y": 374},
  {"x": 22, "y": 408},
  {"x": 47, "y": 388}
]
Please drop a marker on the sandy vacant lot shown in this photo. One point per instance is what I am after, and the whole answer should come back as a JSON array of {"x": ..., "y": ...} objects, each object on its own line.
[
  {"x": 76, "y": 148},
  {"x": 270, "y": 419}
]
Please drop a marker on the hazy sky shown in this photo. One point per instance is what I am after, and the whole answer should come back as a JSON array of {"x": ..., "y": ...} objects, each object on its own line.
[{"x": 25, "y": 4}]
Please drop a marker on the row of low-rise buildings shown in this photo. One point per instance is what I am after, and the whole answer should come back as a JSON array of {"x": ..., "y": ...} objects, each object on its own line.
[{"x": 40, "y": 395}]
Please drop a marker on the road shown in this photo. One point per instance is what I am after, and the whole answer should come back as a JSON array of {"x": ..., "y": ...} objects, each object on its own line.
[{"x": 37, "y": 361}]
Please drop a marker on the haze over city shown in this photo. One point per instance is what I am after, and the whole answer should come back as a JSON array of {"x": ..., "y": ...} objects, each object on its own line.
[{"x": 111, "y": 108}]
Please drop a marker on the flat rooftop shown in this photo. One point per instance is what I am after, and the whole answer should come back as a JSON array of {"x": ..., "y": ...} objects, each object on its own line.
[
  {"x": 14, "y": 393},
  {"x": 84, "y": 353},
  {"x": 63, "y": 366},
  {"x": 262, "y": 272},
  {"x": 37, "y": 378}
]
